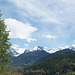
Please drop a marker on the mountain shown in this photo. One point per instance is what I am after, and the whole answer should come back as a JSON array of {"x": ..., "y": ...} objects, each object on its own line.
[
  {"x": 53, "y": 50},
  {"x": 72, "y": 47},
  {"x": 13, "y": 52},
  {"x": 30, "y": 57},
  {"x": 37, "y": 54},
  {"x": 18, "y": 51},
  {"x": 60, "y": 65},
  {"x": 38, "y": 48},
  {"x": 58, "y": 53}
]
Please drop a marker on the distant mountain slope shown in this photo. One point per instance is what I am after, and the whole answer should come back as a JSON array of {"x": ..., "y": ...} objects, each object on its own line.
[
  {"x": 28, "y": 58},
  {"x": 37, "y": 55},
  {"x": 58, "y": 53},
  {"x": 60, "y": 65}
]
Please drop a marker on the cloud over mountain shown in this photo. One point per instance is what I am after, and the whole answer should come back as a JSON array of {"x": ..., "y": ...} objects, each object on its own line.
[{"x": 20, "y": 30}]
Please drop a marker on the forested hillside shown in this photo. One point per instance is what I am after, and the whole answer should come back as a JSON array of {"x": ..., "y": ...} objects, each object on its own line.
[
  {"x": 66, "y": 51},
  {"x": 60, "y": 65},
  {"x": 29, "y": 58}
]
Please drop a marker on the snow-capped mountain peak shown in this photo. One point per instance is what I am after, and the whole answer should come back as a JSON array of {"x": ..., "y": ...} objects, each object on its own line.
[
  {"x": 37, "y": 48},
  {"x": 16, "y": 51},
  {"x": 53, "y": 50},
  {"x": 13, "y": 51},
  {"x": 26, "y": 51},
  {"x": 72, "y": 47},
  {"x": 61, "y": 48}
]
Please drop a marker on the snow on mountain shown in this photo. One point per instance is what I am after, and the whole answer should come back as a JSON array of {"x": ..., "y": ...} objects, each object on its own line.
[
  {"x": 53, "y": 50},
  {"x": 17, "y": 51},
  {"x": 13, "y": 51},
  {"x": 26, "y": 51},
  {"x": 38, "y": 48},
  {"x": 61, "y": 48},
  {"x": 72, "y": 47},
  {"x": 43, "y": 48}
]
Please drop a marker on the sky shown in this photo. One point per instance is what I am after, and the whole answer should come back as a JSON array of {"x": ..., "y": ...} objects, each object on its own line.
[{"x": 47, "y": 23}]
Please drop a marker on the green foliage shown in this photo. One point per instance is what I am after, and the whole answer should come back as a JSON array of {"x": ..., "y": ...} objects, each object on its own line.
[
  {"x": 72, "y": 73},
  {"x": 60, "y": 65},
  {"x": 4, "y": 46}
]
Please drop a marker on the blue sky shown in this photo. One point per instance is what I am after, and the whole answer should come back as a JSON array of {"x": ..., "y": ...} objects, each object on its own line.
[{"x": 48, "y": 23}]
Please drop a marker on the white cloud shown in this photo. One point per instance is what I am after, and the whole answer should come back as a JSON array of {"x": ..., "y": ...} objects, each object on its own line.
[
  {"x": 36, "y": 10},
  {"x": 26, "y": 45},
  {"x": 49, "y": 36},
  {"x": 47, "y": 10},
  {"x": 20, "y": 30},
  {"x": 60, "y": 12},
  {"x": 31, "y": 39},
  {"x": 15, "y": 46}
]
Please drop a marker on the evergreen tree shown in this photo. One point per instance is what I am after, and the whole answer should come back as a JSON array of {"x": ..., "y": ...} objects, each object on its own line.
[{"x": 4, "y": 46}]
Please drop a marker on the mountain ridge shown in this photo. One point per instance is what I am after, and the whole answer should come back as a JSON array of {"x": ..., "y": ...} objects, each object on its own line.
[
  {"x": 66, "y": 51},
  {"x": 29, "y": 58},
  {"x": 16, "y": 52}
]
